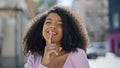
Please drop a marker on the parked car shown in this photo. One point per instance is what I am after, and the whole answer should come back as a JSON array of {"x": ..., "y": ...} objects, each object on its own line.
[
  {"x": 92, "y": 52},
  {"x": 95, "y": 50},
  {"x": 101, "y": 50}
]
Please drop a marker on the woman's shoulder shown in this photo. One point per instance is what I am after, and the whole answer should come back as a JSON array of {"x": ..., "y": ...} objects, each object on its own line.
[
  {"x": 33, "y": 57},
  {"x": 79, "y": 53},
  {"x": 33, "y": 61},
  {"x": 79, "y": 58}
]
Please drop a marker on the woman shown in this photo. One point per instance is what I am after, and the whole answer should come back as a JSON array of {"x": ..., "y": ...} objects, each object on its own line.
[{"x": 56, "y": 39}]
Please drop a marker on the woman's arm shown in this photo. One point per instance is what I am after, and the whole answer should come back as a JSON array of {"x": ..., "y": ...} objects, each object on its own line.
[{"x": 31, "y": 63}]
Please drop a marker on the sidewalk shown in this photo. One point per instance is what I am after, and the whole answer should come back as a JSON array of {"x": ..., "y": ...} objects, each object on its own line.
[{"x": 109, "y": 61}]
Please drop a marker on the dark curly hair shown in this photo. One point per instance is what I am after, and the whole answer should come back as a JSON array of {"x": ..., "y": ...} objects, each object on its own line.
[{"x": 74, "y": 32}]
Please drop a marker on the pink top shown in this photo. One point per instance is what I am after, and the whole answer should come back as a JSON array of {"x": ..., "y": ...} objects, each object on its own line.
[{"x": 74, "y": 60}]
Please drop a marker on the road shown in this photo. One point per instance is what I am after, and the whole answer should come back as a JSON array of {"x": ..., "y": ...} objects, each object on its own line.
[{"x": 109, "y": 61}]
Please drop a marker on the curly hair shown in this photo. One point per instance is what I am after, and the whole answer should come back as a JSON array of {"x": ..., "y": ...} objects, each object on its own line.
[{"x": 74, "y": 32}]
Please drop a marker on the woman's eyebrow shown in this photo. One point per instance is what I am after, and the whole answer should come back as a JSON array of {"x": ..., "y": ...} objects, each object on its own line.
[{"x": 49, "y": 19}]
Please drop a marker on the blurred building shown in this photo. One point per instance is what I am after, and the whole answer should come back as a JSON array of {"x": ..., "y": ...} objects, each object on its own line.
[
  {"x": 43, "y": 5},
  {"x": 79, "y": 6},
  {"x": 97, "y": 19},
  {"x": 12, "y": 18},
  {"x": 114, "y": 22}
]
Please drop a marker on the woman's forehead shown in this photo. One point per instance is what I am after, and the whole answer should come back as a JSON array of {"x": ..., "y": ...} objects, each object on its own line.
[{"x": 52, "y": 16}]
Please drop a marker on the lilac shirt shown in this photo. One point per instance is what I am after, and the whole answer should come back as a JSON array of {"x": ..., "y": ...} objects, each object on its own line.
[{"x": 74, "y": 60}]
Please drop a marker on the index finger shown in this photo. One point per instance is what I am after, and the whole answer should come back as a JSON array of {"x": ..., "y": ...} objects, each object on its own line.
[{"x": 50, "y": 38}]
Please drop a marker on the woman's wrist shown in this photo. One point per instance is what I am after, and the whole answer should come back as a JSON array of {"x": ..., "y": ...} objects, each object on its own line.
[{"x": 45, "y": 61}]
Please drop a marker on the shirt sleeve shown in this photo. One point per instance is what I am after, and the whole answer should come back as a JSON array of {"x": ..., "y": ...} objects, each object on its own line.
[
  {"x": 80, "y": 60},
  {"x": 42, "y": 66},
  {"x": 31, "y": 63}
]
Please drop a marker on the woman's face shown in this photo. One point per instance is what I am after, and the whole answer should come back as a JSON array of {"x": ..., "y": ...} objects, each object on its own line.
[{"x": 53, "y": 25}]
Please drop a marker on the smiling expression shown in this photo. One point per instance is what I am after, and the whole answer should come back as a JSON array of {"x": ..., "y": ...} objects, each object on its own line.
[{"x": 53, "y": 24}]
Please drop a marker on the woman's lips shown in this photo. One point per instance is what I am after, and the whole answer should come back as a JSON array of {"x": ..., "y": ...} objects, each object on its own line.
[{"x": 51, "y": 31}]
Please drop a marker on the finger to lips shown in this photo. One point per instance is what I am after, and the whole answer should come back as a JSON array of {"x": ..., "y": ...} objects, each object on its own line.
[
  {"x": 50, "y": 38},
  {"x": 51, "y": 47}
]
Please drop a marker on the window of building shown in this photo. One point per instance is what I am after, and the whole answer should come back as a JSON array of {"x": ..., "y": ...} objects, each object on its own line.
[
  {"x": 1, "y": 28},
  {"x": 115, "y": 20}
]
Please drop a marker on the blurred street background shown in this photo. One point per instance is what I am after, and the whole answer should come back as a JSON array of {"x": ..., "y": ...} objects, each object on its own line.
[{"x": 102, "y": 18}]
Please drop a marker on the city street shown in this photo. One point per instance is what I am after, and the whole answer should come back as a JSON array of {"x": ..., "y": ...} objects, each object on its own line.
[{"x": 109, "y": 61}]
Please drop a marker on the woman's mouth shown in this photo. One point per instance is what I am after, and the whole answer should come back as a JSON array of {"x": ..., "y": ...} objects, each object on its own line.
[{"x": 51, "y": 31}]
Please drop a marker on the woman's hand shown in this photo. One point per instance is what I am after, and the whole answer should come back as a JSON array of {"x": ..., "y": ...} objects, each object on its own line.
[{"x": 51, "y": 50}]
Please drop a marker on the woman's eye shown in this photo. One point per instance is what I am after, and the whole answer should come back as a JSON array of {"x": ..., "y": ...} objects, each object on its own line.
[
  {"x": 47, "y": 22},
  {"x": 59, "y": 23}
]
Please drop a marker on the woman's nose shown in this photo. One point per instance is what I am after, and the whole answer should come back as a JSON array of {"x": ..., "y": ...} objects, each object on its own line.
[{"x": 53, "y": 26}]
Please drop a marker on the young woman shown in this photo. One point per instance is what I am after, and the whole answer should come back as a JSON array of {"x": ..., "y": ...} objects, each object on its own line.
[{"x": 56, "y": 39}]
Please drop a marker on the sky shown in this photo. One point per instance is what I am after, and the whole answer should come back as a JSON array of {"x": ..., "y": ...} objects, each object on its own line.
[{"x": 65, "y": 2}]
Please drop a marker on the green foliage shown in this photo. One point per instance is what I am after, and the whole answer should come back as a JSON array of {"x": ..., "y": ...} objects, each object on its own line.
[{"x": 40, "y": 2}]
